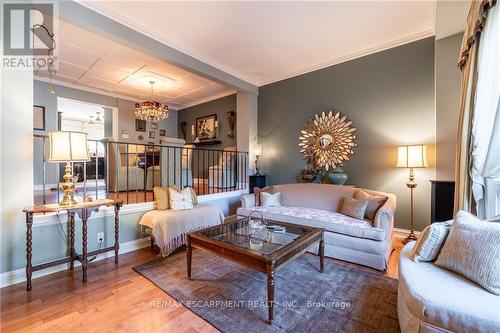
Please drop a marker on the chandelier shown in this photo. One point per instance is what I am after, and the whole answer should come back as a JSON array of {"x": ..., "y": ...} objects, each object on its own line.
[{"x": 151, "y": 110}]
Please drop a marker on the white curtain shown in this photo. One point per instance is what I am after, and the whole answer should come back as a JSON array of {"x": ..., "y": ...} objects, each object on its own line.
[{"x": 485, "y": 171}]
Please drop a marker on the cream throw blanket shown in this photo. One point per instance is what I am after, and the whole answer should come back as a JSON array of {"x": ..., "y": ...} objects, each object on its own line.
[{"x": 171, "y": 226}]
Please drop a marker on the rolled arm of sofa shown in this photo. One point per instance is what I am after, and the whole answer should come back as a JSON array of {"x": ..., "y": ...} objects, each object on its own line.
[
  {"x": 247, "y": 200},
  {"x": 384, "y": 219}
]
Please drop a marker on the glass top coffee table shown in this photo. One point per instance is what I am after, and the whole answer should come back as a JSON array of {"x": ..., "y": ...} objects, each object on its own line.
[{"x": 262, "y": 248}]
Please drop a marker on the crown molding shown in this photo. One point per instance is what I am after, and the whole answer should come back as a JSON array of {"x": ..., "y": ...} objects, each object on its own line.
[
  {"x": 351, "y": 56},
  {"x": 209, "y": 99},
  {"x": 95, "y": 6}
]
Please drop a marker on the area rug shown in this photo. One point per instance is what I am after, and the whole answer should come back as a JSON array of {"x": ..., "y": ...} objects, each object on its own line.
[{"x": 233, "y": 298}]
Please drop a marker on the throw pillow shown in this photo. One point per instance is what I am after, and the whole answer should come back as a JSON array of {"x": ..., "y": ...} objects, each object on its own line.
[
  {"x": 374, "y": 203},
  {"x": 472, "y": 249},
  {"x": 430, "y": 241},
  {"x": 258, "y": 193},
  {"x": 180, "y": 200},
  {"x": 354, "y": 208},
  {"x": 194, "y": 196},
  {"x": 271, "y": 199},
  {"x": 161, "y": 197}
]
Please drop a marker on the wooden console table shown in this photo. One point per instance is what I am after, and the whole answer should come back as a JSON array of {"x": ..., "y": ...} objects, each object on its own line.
[{"x": 83, "y": 210}]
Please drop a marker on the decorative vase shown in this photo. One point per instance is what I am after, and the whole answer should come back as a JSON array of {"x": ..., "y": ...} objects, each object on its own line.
[{"x": 337, "y": 176}]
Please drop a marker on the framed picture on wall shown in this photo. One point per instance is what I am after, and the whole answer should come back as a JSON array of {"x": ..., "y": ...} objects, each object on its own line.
[
  {"x": 154, "y": 125},
  {"x": 163, "y": 132},
  {"x": 205, "y": 127},
  {"x": 140, "y": 125},
  {"x": 152, "y": 134},
  {"x": 38, "y": 118}
]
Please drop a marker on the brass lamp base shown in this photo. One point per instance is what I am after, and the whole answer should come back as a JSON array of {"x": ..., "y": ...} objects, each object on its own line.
[
  {"x": 410, "y": 237},
  {"x": 68, "y": 187}
]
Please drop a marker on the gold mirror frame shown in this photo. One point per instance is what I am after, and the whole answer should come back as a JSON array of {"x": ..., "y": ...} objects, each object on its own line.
[{"x": 327, "y": 140}]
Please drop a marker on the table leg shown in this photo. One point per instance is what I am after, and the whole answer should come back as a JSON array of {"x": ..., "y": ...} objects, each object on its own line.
[
  {"x": 29, "y": 238},
  {"x": 84, "y": 247},
  {"x": 117, "y": 231},
  {"x": 270, "y": 295},
  {"x": 71, "y": 226},
  {"x": 189, "y": 256},
  {"x": 322, "y": 254}
]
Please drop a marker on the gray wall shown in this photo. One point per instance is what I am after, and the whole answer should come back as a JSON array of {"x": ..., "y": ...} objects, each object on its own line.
[
  {"x": 220, "y": 107},
  {"x": 447, "y": 104},
  {"x": 126, "y": 121},
  {"x": 389, "y": 96}
]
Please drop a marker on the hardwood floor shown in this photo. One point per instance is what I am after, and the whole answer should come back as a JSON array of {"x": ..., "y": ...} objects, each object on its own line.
[{"x": 115, "y": 299}]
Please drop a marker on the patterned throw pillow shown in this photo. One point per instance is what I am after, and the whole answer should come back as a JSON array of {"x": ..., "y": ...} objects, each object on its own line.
[
  {"x": 354, "y": 208},
  {"x": 194, "y": 196},
  {"x": 472, "y": 249},
  {"x": 258, "y": 193},
  {"x": 181, "y": 200},
  {"x": 161, "y": 197},
  {"x": 374, "y": 203},
  {"x": 430, "y": 241},
  {"x": 271, "y": 199}
]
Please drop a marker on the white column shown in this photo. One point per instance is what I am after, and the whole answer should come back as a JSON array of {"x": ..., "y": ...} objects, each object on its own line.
[{"x": 246, "y": 125}]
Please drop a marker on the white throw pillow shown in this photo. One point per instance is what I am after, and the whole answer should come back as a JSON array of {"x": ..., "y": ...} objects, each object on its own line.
[
  {"x": 430, "y": 241},
  {"x": 472, "y": 249},
  {"x": 270, "y": 199},
  {"x": 180, "y": 200}
]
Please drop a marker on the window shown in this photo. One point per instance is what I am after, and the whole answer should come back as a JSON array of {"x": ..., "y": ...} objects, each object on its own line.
[{"x": 486, "y": 122}]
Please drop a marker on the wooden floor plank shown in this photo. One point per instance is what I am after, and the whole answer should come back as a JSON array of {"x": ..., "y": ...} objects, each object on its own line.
[{"x": 115, "y": 299}]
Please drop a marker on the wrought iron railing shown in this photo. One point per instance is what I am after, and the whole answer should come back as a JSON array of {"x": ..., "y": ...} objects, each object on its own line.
[{"x": 130, "y": 171}]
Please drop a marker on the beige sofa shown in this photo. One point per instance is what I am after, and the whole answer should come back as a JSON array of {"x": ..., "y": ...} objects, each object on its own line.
[
  {"x": 359, "y": 241},
  {"x": 432, "y": 299}
]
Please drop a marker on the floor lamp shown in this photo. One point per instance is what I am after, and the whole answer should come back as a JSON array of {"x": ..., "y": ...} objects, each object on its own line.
[{"x": 411, "y": 156}]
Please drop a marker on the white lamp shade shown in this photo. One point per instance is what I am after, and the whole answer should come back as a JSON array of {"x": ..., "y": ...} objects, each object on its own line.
[
  {"x": 68, "y": 146},
  {"x": 412, "y": 156},
  {"x": 258, "y": 150}
]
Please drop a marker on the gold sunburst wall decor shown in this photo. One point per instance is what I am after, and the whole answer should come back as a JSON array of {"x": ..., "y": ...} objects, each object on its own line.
[{"x": 327, "y": 140}]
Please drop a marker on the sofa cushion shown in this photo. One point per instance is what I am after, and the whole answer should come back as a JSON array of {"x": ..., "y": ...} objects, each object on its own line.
[
  {"x": 319, "y": 218},
  {"x": 374, "y": 203},
  {"x": 258, "y": 193},
  {"x": 430, "y": 241},
  {"x": 444, "y": 299},
  {"x": 354, "y": 208},
  {"x": 473, "y": 250},
  {"x": 319, "y": 196}
]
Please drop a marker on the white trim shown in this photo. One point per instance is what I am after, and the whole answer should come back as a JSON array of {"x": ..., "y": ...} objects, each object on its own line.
[
  {"x": 19, "y": 275},
  {"x": 53, "y": 218},
  {"x": 209, "y": 99},
  {"x": 402, "y": 233},
  {"x": 95, "y": 6},
  {"x": 85, "y": 88},
  {"x": 351, "y": 56}
]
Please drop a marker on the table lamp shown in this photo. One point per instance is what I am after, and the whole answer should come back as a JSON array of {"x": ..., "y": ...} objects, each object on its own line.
[
  {"x": 258, "y": 152},
  {"x": 68, "y": 147},
  {"x": 411, "y": 156}
]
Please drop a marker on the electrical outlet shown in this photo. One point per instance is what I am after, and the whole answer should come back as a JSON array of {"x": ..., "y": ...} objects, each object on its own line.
[{"x": 100, "y": 237}]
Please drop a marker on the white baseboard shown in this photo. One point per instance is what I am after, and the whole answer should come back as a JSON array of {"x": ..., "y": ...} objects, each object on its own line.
[
  {"x": 402, "y": 233},
  {"x": 19, "y": 275}
]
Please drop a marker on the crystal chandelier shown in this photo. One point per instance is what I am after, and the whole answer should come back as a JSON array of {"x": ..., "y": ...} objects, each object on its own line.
[{"x": 151, "y": 110}]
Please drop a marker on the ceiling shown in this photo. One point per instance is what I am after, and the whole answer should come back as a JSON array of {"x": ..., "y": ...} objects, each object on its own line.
[
  {"x": 451, "y": 17},
  {"x": 263, "y": 42},
  {"x": 88, "y": 60}
]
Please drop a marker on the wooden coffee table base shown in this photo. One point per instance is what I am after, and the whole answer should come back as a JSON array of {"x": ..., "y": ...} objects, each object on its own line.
[{"x": 263, "y": 263}]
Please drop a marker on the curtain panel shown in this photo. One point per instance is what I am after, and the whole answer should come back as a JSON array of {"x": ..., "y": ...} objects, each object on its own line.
[{"x": 475, "y": 24}]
